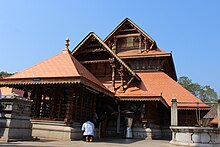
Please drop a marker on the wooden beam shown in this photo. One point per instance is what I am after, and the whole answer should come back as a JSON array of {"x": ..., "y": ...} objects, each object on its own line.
[
  {"x": 127, "y": 30},
  {"x": 95, "y": 61},
  {"x": 92, "y": 50},
  {"x": 128, "y": 35}
]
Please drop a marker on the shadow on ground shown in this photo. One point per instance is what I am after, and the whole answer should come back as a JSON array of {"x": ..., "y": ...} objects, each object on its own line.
[{"x": 117, "y": 140}]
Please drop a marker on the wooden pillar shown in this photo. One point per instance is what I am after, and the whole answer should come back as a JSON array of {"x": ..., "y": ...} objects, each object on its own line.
[
  {"x": 44, "y": 106},
  {"x": 61, "y": 97},
  {"x": 81, "y": 97},
  {"x": 113, "y": 75},
  {"x": 139, "y": 38},
  {"x": 32, "y": 97},
  {"x": 71, "y": 99},
  {"x": 25, "y": 93},
  {"x": 118, "y": 119},
  {"x": 114, "y": 45},
  {"x": 54, "y": 101},
  {"x": 121, "y": 73},
  {"x": 37, "y": 100},
  {"x": 94, "y": 107},
  {"x": 145, "y": 44},
  {"x": 174, "y": 113}
]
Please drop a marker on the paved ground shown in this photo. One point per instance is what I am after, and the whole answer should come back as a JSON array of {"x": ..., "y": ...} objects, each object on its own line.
[{"x": 98, "y": 143}]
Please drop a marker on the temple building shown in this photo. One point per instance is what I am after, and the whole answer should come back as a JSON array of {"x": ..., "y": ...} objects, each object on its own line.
[{"x": 124, "y": 75}]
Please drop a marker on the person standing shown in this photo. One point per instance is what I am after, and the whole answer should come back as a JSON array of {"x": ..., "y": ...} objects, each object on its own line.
[{"x": 88, "y": 129}]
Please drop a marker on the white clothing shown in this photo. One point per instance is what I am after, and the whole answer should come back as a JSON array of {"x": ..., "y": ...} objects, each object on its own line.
[{"x": 88, "y": 128}]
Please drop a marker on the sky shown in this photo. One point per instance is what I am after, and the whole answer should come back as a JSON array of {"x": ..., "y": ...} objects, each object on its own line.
[{"x": 34, "y": 30}]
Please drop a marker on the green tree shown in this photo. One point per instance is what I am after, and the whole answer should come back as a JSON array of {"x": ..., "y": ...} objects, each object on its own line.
[
  {"x": 5, "y": 74},
  {"x": 205, "y": 93}
]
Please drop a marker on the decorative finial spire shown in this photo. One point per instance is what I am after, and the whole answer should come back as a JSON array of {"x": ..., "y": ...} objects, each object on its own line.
[{"x": 67, "y": 43}]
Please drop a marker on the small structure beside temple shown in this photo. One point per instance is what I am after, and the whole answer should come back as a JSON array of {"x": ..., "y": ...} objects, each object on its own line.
[
  {"x": 200, "y": 135},
  {"x": 195, "y": 136},
  {"x": 15, "y": 120}
]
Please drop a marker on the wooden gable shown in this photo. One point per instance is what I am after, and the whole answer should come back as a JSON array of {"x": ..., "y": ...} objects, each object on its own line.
[
  {"x": 138, "y": 50},
  {"x": 100, "y": 60},
  {"x": 91, "y": 50},
  {"x": 128, "y": 36}
]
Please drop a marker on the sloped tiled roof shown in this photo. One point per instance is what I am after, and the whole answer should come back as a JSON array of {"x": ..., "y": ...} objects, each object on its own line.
[
  {"x": 155, "y": 84},
  {"x": 58, "y": 67}
]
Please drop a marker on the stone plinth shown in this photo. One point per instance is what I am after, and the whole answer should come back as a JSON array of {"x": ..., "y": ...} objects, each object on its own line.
[
  {"x": 147, "y": 133},
  {"x": 151, "y": 131},
  {"x": 58, "y": 130},
  {"x": 15, "y": 118},
  {"x": 195, "y": 136}
]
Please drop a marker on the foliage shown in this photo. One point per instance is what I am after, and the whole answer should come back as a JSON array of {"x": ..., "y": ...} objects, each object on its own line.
[
  {"x": 5, "y": 74},
  {"x": 205, "y": 93}
]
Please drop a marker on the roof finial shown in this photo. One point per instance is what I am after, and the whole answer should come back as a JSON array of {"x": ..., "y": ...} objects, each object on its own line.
[{"x": 67, "y": 43}]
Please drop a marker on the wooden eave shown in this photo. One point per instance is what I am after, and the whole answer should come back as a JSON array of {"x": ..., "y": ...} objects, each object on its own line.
[
  {"x": 108, "y": 49},
  {"x": 156, "y": 98},
  {"x": 192, "y": 108},
  {"x": 39, "y": 81},
  {"x": 138, "y": 28},
  {"x": 58, "y": 80},
  {"x": 169, "y": 55},
  {"x": 147, "y": 56}
]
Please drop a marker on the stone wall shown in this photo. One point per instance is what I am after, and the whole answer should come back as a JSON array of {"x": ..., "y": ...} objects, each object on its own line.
[
  {"x": 15, "y": 118},
  {"x": 195, "y": 136}
]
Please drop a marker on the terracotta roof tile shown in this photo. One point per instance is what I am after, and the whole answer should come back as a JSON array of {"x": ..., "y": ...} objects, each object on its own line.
[
  {"x": 62, "y": 65},
  {"x": 156, "y": 84}
]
